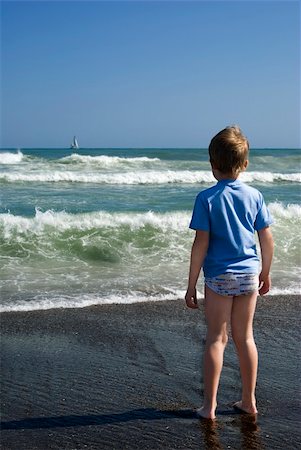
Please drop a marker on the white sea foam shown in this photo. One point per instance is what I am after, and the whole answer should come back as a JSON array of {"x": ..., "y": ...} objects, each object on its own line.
[
  {"x": 290, "y": 212},
  {"x": 46, "y": 302},
  {"x": 270, "y": 177},
  {"x": 169, "y": 221},
  {"x": 126, "y": 178},
  {"x": 11, "y": 158},
  {"x": 62, "y": 221},
  {"x": 142, "y": 177},
  {"x": 105, "y": 160},
  {"x": 85, "y": 300},
  {"x": 293, "y": 289}
]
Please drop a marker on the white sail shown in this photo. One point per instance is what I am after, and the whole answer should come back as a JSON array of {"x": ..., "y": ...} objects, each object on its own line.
[{"x": 74, "y": 143}]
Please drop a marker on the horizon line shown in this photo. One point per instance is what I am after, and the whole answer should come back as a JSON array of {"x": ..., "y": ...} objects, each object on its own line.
[{"x": 138, "y": 148}]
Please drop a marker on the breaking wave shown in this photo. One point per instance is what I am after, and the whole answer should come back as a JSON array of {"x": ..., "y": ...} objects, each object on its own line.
[
  {"x": 103, "y": 236},
  {"x": 106, "y": 161},
  {"x": 63, "y": 221},
  {"x": 63, "y": 260},
  {"x": 11, "y": 158},
  {"x": 142, "y": 177}
]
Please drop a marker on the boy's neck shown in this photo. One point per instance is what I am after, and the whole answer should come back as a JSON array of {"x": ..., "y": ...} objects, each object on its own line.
[{"x": 219, "y": 176}]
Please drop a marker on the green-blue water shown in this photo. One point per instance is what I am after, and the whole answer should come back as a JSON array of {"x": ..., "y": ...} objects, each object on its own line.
[{"x": 111, "y": 225}]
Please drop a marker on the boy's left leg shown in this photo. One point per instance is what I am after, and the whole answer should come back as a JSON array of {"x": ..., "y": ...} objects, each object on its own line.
[{"x": 218, "y": 314}]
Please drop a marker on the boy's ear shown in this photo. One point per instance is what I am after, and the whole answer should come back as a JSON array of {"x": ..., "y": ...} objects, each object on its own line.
[{"x": 246, "y": 163}]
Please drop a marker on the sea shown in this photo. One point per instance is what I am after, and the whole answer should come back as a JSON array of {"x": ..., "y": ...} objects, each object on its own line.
[{"x": 97, "y": 226}]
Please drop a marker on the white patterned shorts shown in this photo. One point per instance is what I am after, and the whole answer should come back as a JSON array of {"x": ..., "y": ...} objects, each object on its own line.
[{"x": 232, "y": 284}]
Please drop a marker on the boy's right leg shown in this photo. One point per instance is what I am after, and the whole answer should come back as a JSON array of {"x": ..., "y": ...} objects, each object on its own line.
[
  {"x": 218, "y": 315},
  {"x": 242, "y": 333}
]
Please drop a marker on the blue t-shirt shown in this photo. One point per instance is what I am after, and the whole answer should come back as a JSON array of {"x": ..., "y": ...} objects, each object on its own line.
[{"x": 231, "y": 211}]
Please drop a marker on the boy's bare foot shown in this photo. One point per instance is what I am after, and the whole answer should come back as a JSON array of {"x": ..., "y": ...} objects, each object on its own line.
[
  {"x": 204, "y": 413},
  {"x": 248, "y": 409}
]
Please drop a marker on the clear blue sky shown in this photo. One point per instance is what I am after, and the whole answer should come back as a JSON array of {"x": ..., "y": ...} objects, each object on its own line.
[{"x": 149, "y": 74}]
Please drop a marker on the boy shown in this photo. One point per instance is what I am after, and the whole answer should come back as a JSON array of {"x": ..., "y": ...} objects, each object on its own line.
[{"x": 225, "y": 218}]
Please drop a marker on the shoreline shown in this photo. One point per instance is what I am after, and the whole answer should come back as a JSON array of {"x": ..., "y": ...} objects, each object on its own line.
[
  {"x": 129, "y": 303},
  {"x": 120, "y": 376}
]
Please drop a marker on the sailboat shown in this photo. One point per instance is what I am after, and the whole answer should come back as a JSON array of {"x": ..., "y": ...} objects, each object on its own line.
[{"x": 74, "y": 143}]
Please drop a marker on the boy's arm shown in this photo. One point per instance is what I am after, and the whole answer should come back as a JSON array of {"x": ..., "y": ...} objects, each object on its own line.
[
  {"x": 267, "y": 251},
  {"x": 198, "y": 254}
]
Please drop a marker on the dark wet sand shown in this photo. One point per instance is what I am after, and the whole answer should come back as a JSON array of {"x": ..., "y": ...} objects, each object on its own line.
[{"x": 129, "y": 377}]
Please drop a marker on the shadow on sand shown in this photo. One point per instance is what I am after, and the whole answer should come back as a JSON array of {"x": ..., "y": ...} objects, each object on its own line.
[
  {"x": 209, "y": 428},
  {"x": 96, "y": 419}
]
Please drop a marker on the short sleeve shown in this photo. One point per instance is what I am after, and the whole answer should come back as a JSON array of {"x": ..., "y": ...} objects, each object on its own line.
[
  {"x": 200, "y": 215},
  {"x": 263, "y": 218}
]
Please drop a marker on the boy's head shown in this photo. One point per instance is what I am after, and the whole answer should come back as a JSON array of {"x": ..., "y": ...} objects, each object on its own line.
[{"x": 229, "y": 150}]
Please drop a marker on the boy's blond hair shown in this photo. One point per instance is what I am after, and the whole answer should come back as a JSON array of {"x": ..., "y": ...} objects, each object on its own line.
[{"x": 229, "y": 150}]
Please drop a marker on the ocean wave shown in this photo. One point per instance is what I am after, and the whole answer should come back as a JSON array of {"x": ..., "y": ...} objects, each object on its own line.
[
  {"x": 109, "y": 238},
  {"x": 106, "y": 161},
  {"x": 63, "y": 260},
  {"x": 104, "y": 236},
  {"x": 290, "y": 212},
  {"x": 11, "y": 158},
  {"x": 63, "y": 221},
  {"x": 93, "y": 238},
  {"x": 126, "y": 178},
  {"x": 270, "y": 177},
  {"x": 143, "y": 177}
]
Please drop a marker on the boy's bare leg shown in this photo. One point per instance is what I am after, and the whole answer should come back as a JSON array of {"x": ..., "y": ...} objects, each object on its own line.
[
  {"x": 218, "y": 315},
  {"x": 242, "y": 332}
]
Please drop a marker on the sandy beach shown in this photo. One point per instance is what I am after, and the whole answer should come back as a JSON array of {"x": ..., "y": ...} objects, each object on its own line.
[{"x": 129, "y": 377}]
